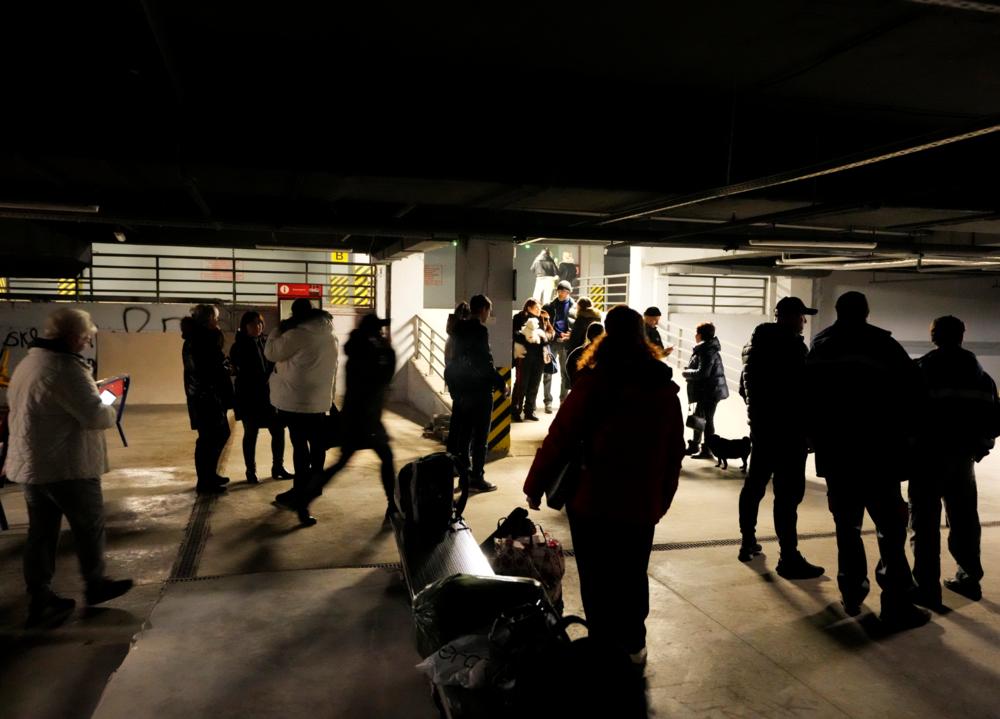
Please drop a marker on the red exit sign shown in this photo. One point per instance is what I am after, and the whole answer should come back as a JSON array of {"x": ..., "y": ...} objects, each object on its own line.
[{"x": 289, "y": 289}]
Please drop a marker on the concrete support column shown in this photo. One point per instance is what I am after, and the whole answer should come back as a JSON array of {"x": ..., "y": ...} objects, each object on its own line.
[{"x": 487, "y": 267}]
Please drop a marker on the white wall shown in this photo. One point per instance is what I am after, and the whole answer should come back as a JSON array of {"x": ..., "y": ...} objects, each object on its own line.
[{"x": 907, "y": 308}]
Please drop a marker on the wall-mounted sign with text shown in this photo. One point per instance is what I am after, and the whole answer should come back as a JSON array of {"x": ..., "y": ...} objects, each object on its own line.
[{"x": 433, "y": 275}]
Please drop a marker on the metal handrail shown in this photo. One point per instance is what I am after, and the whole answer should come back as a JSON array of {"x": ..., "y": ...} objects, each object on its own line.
[{"x": 422, "y": 327}]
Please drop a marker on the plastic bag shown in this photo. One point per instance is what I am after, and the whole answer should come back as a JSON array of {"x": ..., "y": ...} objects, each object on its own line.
[
  {"x": 539, "y": 556},
  {"x": 463, "y": 662},
  {"x": 463, "y": 604}
]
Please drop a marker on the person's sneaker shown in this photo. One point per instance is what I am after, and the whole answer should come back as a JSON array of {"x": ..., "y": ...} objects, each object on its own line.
[
  {"x": 531, "y": 418},
  {"x": 749, "y": 551},
  {"x": 968, "y": 588},
  {"x": 548, "y": 409},
  {"x": 483, "y": 486},
  {"x": 796, "y": 567},
  {"x": 281, "y": 473},
  {"x": 905, "y": 616},
  {"x": 108, "y": 589},
  {"x": 210, "y": 489},
  {"x": 252, "y": 478},
  {"x": 705, "y": 453},
  {"x": 52, "y": 608},
  {"x": 929, "y": 597}
]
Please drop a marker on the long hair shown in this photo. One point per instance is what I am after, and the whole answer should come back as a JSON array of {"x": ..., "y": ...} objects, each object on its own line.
[{"x": 623, "y": 343}]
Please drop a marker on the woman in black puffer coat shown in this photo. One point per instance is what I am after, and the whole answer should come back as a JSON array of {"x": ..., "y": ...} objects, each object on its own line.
[
  {"x": 253, "y": 398},
  {"x": 209, "y": 393},
  {"x": 707, "y": 386}
]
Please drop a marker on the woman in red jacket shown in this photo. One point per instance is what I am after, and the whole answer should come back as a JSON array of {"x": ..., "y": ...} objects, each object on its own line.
[{"x": 625, "y": 413}]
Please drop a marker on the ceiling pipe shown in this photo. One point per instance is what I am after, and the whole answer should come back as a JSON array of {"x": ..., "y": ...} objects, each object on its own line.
[
  {"x": 819, "y": 245},
  {"x": 947, "y": 136},
  {"x": 962, "y": 219}
]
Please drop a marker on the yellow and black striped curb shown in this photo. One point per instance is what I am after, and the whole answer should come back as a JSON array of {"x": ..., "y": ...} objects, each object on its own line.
[
  {"x": 597, "y": 297},
  {"x": 499, "y": 437}
]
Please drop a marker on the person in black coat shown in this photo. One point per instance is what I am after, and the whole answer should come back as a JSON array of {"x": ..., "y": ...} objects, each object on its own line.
[
  {"x": 209, "y": 393},
  {"x": 863, "y": 397},
  {"x": 472, "y": 379},
  {"x": 585, "y": 316},
  {"x": 371, "y": 363},
  {"x": 706, "y": 385},
  {"x": 253, "y": 397},
  {"x": 958, "y": 424},
  {"x": 530, "y": 363},
  {"x": 772, "y": 385}
]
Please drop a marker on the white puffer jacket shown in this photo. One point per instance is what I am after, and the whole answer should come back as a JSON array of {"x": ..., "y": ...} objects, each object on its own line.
[
  {"x": 57, "y": 419},
  {"x": 305, "y": 369}
]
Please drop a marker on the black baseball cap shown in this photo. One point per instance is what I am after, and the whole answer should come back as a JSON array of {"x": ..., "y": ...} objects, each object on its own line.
[
  {"x": 791, "y": 306},
  {"x": 652, "y": 312}
]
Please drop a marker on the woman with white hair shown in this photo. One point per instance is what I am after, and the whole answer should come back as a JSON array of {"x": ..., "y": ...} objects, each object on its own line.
[{"x": 57, "y": 450}]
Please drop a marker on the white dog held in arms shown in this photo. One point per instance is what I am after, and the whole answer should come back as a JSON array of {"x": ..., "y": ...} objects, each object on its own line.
[{"x": 532, "y": 332}]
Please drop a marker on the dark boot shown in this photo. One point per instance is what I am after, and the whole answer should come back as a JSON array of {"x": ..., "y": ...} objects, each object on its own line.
[
  {"x": 252, "y": 474},
  {"x": 692, "y": 448},
  {"x": 705, "y": 453},
  {"x": 281, "y": 473},
  {"x": 795, "y": 566}
]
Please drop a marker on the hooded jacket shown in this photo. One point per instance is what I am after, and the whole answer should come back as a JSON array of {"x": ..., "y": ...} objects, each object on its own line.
[
  {"x": 253, "y": 370},
  {"x": 773, "y": 377},
  {"x": 578, "y": 335},
  {"x": 863, "y": 395},
  {"x": 57, "y": 419},
  {"x": 371, "y": 363},
  {"x": 961, "y": 411},
  {"x": 305, "y": 354},
  {"x": 471, "y": 369},
  {"x": 207, "y": 385},
  {"x": 705, "y": 374},
  {"x": 629, "y": 419}
]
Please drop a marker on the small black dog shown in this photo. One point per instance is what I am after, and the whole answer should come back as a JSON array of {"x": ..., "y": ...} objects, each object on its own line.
[{"x": 725, "y": 449}]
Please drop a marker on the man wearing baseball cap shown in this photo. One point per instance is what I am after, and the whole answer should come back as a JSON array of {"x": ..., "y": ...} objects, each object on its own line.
[
  {"x": 562, "y": 312},
  {"x": 772, "y": 385},
  {"x": 865, "y": 396}
]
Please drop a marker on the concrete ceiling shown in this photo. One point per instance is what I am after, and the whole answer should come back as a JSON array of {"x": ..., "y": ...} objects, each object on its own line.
[{"x": 361, "y": 124}]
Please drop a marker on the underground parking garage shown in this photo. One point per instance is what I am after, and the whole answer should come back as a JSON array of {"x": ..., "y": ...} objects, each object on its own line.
[{"x": 707, "y": 160}]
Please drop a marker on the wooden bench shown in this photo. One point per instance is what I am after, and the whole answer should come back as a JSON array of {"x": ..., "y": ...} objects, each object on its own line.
[{"x": 456, "y": 553}]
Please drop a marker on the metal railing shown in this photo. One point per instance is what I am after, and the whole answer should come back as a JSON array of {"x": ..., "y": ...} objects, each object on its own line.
[
  {"x": 682, "y": 338},
  {"x": 123, "y": 277},
  {"x": 710, "y": 294},
  {"x": 428, "y": 345},
  {"x": 605, "y": 291}
]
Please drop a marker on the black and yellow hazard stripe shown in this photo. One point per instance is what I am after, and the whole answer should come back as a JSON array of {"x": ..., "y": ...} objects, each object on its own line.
[
  {"x": 363, "y": 285},
  {"x": 597, "y": 297},
  {"x": 340, "y": 289},
  {"x": 69, "y": 286},
  {"x": 499, "y": 437},
  {"x": 3, "y": 285}
]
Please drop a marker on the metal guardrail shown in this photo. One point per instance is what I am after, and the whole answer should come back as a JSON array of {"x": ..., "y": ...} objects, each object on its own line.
[
  {"x": 683, "y": 341},
  {"x": 429, "y": 346},
  {"x": 605, "y": 291},
  {"x": 124, "y": 277}
]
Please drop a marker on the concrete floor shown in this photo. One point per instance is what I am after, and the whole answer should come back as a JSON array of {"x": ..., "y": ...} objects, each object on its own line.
[{"x": 282, "y": 621}]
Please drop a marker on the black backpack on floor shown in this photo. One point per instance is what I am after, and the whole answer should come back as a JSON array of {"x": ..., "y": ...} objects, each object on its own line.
[{"x": 425, "y": 495}]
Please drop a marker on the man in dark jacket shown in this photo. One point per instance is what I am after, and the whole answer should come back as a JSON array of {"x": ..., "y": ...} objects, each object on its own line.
[
  {"x": 957, "y": 426},
  {"x": 546, "y": 275},
  {"x": 472, "y": 379},
  {"x": 651, "y": 318},
  {"x": 371, "y": 363},
  {"x": 562, "y": 313},
  {"x": 585, "y": 316},
  {"x": 864, "y": 392},
  {"x": 772, "y": 385},
  {"x": 706, "y": 384}
]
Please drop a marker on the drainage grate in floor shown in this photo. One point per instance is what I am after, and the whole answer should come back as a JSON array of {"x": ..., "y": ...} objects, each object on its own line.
[{"x": 195, "y": 538}]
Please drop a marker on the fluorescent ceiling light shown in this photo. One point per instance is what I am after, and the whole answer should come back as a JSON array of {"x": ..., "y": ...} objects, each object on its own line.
[
  {"x": 811, "y": 260},
  {"x": 823, "y": 245},
  {"x": 304, "y": 249},
  {"x": 48, "y": 206}
]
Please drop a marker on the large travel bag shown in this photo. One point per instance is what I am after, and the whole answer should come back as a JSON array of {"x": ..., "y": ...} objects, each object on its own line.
[{"x": 425, "y": 495}]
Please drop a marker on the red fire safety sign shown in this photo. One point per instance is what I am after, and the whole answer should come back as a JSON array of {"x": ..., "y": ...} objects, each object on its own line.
[{"x": 289, "y": 289}]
